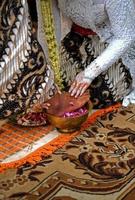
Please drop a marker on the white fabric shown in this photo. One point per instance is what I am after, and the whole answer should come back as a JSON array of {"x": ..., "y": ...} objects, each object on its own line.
[
  {"x": 114, "y": 22},
  {"x": 129, "y": 99}
]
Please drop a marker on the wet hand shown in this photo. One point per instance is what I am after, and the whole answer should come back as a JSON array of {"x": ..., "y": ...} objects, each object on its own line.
[{"x": 80, "y": 85}]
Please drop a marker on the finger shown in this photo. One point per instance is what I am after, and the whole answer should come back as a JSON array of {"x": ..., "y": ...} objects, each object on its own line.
[
  {"x": 59, "y": 92},
  {"x": 75, "y": 90},
  {"x": 84, "y": 89},
  {"x": 79, "y": 90},
  {"x": 58, "y": 89},
  {"x": 72, "y": 86},
  {"x": 46, "y": 105}
]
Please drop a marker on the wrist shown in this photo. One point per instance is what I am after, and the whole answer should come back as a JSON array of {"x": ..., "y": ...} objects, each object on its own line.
[
  {"x": 88, "y": 79},
  {"x": 92, "y": 71}
]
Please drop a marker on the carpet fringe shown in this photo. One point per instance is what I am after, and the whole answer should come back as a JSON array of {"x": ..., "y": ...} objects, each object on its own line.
[{"x": 57, "y": 143}]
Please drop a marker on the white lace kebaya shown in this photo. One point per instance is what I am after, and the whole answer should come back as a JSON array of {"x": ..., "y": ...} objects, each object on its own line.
[{"x": 114, "y": 22}]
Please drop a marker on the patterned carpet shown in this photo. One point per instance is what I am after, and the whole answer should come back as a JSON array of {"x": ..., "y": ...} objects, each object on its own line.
[{"x": 96, "y": 165}]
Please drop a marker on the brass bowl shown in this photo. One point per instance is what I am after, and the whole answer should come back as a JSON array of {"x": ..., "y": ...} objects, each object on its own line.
[{"x": 68, "y": 124}]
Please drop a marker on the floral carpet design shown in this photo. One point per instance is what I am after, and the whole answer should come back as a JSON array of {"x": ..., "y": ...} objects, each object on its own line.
[{"x": 97, "y": 164}]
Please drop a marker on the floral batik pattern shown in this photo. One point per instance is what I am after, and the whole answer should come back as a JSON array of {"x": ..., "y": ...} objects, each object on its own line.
[
  {"x": 77, "y": 52},
  {"x": 25, "y": 77}
]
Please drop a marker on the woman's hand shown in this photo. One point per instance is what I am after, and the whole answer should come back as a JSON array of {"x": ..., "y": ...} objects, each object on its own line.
[
  {"x": 39, "y": 107},
  {"x": 80, "y": 85},
  {"x": 45, "y": 105}
]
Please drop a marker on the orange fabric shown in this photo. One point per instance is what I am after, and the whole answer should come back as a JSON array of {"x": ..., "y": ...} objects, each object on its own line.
[
  {"x": 14, "y": 138},
  {"x": 52, "y": 146}
]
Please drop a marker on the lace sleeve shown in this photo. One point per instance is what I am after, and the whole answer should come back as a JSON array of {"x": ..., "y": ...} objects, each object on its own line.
[{"x": 121, "y": 15}]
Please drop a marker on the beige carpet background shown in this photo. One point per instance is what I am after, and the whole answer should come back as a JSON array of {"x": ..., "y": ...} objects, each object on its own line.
[{"x": 96, "y": 165}]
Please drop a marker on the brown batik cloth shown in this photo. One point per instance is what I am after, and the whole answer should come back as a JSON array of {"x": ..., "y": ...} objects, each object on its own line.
[
  {"x": 77, "y": 52},
  {"x": 25, "y": 77}
]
